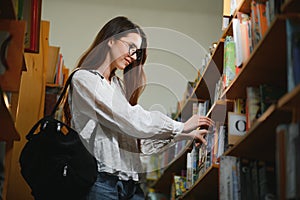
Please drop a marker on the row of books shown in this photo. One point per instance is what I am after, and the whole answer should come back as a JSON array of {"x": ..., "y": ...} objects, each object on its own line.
[
  {"x": 259, "y": 98},
  {"x": 199, "y": 159},
  {"x": 56, "y": 72},
  {"x": 246, "y": 111},
  {"x": 248, "y": 30},
  {"x": 155, "y": 164},
  {"x": 288, "y": 160},
  {"x": 229, "y": 8},
  {"x": 241, "y": 178}
]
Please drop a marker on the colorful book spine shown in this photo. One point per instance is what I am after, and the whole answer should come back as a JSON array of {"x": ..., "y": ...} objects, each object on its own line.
[{"x": 229, "y": 60}]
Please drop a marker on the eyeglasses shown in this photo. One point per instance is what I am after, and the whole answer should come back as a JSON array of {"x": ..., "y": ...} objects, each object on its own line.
[{"x": 132, "y": 49}]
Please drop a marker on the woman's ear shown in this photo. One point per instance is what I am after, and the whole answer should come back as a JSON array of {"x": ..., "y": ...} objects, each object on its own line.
[{"x": 111, "y": 42}]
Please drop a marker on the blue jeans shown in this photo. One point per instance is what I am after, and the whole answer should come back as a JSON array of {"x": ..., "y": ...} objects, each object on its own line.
[{"x": 109, "y": 187}]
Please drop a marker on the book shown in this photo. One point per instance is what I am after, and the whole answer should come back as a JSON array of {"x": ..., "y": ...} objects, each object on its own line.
[
  {"x": 229, "y": 60},
  {"x": 288, "y": 160},
  {"x": 293, "y": 161},
  {"x": 245, "y": 179},
  {"x": 58, "y": 79},
  {"x": 293, "y": 53},
  {"x": 262, "y": 18},
  {"x": 228, "y": 178},
  {"x": 203, "y": 108},
  {"x": 179, "y": 182},
  {"x": 256, "y": 37},
  {"x": 221, "y": 141},
  {"x": 237, "y": 38},
  {"x": 215, "y": 146},
  {"x": 253, "y": 110},
  {"x": 246, "y": 44},
  {"x": 236, "y": 127},
  {"x": 269, "y": 94},
  {"x": 195, "y": 108},
  {"x": 194, "y": 162},
  {"x": 239, "y": 106},
  {"x": 254, "y": 178},
  {"x": 272, "y": 10},
  {"x": 189, "y": 171},
  {"x": 266, "y": 180},
  {"x": 280, "y": 152}
]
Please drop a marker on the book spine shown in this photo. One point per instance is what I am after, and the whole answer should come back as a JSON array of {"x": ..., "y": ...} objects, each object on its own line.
[
  {"x": 252, "y": 105},
  {"x": 229, "y": 60},
  {"x": 293, "y": 53}
]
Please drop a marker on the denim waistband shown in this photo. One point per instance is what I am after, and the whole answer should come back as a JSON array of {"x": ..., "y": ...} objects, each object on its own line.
[{"x": 115, "y": 177}]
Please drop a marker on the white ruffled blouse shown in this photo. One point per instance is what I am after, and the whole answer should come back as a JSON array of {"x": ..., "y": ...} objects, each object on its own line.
[{"x": 110, "y": 125}]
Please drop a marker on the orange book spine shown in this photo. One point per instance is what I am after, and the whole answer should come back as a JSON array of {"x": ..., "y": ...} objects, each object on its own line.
[{"x": 263, "y": 21}]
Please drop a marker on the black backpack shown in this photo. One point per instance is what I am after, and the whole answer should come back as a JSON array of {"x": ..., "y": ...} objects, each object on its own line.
[{"x": 54, "y": 162}]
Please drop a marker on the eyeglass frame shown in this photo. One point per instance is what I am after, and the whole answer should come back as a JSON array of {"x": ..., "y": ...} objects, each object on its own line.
[{"x": 136, "y": 51}]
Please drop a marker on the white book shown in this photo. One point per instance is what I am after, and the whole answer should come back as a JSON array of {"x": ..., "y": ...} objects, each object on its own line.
[{"x": 237, "y": 37}]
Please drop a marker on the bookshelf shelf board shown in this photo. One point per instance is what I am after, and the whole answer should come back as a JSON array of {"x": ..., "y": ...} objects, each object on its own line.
[
  {"x": 163, "y": 183},
  {"x": 206, "y": 186},
  {"x": 267, "y": 63},
  {"x": 259, "y": 142},
  {"x": 218, "y": 111},
  {"x": 290, "y": 101},
  {"x": 205, "y": 87},
  {"x": 291, "y": 6}
]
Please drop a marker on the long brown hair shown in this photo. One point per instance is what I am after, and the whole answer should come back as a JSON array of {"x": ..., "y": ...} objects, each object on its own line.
[{"x": 134, "y": 78}]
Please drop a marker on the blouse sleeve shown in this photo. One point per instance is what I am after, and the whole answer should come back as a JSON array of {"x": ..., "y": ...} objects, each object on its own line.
[{"x": 93, "y": 96}]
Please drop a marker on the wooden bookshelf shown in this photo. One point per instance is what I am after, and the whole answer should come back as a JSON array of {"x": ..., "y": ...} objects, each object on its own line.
[{"x": 267, "y": 64}]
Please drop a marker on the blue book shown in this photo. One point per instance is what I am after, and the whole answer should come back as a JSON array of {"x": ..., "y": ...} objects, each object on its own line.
[{"x": 293, "y": 53}]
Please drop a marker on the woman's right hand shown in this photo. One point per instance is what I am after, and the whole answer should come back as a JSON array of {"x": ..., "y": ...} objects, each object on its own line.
[{"x": 197, "y": 121}]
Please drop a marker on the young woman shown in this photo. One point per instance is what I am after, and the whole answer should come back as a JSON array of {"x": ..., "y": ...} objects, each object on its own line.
[{"x": 105, "y": 112}]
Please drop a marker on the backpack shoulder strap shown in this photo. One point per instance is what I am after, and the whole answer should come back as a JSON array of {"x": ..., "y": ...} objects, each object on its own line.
[{"x": 66, "y": 86}]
